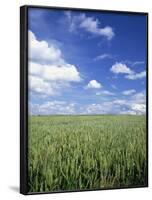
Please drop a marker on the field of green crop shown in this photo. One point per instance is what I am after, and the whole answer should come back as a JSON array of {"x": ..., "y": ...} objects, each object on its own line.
[{"x": 86, "y": 152}]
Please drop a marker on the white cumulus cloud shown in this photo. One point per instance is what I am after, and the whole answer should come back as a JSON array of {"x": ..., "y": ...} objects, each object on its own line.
[
  {"x": 93, "y": 84},
  {"x": 52, "y": 108},
  {"x": 120, "y": 68},
  {"x": 49, "y": 73},
  {"x": 139, "y": 97},
  {"x": 133, "y": 105},
  {"x": 40, "y": 86},
  {"x": 53, "y": 72},
  {"x": 89, "y": 24},
  {"x": 136, "y": 76},
  {"x": 41, "y": 51},
  {"x": 138, "y": 108}
]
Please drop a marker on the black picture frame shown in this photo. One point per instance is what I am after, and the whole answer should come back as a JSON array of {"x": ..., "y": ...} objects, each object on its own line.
[{"x": 24, "y": 94}]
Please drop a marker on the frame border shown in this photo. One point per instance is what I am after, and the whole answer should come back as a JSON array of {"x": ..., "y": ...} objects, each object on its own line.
[
  {"x": 23, "y": 100},
  {"x": 24, "y": 95}
]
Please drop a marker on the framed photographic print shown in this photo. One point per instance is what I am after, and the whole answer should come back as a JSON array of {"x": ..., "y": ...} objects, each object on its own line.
[{"x": 83, "y": 99}]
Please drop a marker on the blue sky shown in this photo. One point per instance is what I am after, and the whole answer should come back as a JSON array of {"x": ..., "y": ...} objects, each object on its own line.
[{"x": 83, "y": 62}]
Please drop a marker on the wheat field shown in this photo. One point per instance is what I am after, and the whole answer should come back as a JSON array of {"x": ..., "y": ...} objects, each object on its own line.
[{"x": 86, "y": 152}]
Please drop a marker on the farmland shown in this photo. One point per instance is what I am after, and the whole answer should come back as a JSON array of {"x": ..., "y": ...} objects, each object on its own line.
[{"x": 86, "y": 152}]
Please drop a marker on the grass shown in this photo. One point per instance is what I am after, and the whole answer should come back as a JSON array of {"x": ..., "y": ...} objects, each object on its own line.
[{"x": 86, "y": 152}]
